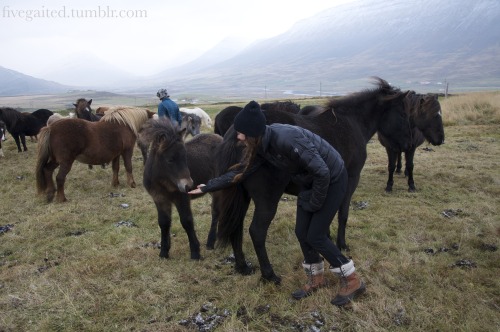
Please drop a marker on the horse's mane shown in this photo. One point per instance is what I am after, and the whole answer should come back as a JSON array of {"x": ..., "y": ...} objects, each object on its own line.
[
  {"x": 383, "y": 89},
  {"x": 132, "y": 117},
  {"x": 285, "y": 106}
]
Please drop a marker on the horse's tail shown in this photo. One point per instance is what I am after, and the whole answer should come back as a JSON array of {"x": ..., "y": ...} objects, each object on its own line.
[
  {"x": 42, "y": 159},
  {"x": 232, "y": 203}
]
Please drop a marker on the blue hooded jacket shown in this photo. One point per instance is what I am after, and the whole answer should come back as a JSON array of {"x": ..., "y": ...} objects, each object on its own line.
[{"x": 170, "y": 109}]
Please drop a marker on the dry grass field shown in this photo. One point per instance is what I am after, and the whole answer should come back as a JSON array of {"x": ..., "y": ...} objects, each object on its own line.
[{"x": 430, "y": 259}]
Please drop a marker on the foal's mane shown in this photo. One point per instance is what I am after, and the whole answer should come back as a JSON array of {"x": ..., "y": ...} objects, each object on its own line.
[{"x": 132, "y": 117}]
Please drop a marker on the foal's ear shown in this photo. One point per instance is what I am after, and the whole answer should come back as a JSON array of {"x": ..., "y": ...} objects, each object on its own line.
[
  {"x": 74, "y": 104},
  {"x": 89, "y": 102}
]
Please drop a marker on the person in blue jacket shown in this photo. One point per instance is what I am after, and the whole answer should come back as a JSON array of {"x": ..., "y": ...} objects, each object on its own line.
[
  {"x": 319, "y": 170},
  {"x": 167, "y": 107}
]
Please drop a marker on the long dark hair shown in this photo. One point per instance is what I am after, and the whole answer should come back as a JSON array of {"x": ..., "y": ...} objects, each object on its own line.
[{"x": 251, "y": 146}]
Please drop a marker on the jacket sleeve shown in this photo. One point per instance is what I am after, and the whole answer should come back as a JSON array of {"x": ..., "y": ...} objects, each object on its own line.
[
  {"x": 312, "y": 162},
  {"x": 226, "y": 179}
]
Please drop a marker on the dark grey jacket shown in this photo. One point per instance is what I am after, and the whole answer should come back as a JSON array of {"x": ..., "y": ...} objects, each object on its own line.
[{"x": 311, "y": 161}]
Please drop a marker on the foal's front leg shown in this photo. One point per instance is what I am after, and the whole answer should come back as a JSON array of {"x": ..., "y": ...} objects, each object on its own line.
[
  {"x": 186, "y": 216},
  {"x": 165, "y": 222}
]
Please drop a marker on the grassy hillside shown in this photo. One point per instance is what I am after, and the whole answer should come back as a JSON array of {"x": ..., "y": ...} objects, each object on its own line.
[{"x": 430, "y": 259}]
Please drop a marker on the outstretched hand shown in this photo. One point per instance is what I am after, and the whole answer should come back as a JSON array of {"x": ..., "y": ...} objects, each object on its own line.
[{"x": 197, "y": 190}]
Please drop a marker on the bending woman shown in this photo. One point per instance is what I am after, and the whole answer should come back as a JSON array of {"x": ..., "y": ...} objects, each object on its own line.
[{"x": 319, "y": 170}]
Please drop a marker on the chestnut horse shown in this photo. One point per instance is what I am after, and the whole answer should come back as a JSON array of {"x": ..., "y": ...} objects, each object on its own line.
[{"x": 93, "y": 143}]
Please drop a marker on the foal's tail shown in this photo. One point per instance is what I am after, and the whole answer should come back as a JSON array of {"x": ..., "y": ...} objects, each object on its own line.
[
  {"x": 43, "y": 158},
  {"x": 232, "y": 203}
]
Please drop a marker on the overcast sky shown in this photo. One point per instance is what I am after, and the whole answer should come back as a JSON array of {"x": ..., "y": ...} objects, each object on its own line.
[{"x": 141, "y": 37}]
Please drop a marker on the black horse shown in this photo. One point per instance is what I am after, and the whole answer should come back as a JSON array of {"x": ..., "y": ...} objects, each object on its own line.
[
  {"x": 160, "y": 175},
  {"x": 20, "y": 125},
  {"x": 224, "y": 119},
  {"x": 348, "y": 124},
  {"x": 425, "y": 123}
]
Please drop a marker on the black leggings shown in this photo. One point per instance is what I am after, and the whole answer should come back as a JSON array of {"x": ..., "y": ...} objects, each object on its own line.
[{"x": 312, "y": 228}]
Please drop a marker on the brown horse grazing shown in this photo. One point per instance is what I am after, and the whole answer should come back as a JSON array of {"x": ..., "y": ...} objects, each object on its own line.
[
  {"x": 163, "y": 178},
  {"x": 93, "y": 143},
  {"x": 426, "y": 123}
]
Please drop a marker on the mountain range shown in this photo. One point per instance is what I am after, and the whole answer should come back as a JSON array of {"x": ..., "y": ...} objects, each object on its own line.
[{"x": 417, "y": 44}]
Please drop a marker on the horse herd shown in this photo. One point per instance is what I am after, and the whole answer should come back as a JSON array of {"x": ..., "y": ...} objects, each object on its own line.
[{"x": 403, "y": 120}]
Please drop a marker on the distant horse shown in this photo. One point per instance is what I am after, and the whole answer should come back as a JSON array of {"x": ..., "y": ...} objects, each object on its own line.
[
  {"x": 21, "y": 125},
  {"x": 284, "y": 106},
  {"x": 224, "y": 119},
  {"x": 207, "y": 121},
  {"x": 83, "y": 110},
  {"x": 56, "y": 117},
  {"x": 101, "y": 110},
  {"x": 425, "y": 123},
  {"x": 93, "y": 143},
  {"x": 161, "y": 174},
  {"x": 2, "y": 136},
  {"x": 192, "y": 123},
  {"x": 348, "y": 124}
]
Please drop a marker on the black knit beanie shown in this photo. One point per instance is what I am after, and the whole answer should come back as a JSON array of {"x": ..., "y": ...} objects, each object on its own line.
[{"x": 250, "y": 120}]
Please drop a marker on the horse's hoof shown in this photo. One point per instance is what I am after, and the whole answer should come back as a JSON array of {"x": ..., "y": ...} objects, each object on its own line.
[
  {"x": 132, "y": 185},
  {"x": 245, "y": 270},
  {"x": 412, "y": 190},
  {"x": 196, "y": 256},
  {"x": 274, "y": 279},
  {"x": 163, "y": 255}
]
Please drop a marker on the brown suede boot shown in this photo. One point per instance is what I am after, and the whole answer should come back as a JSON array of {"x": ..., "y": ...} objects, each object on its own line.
[
  {"x": 351, "y": 285},
  {"x": 315, "y": 280}
]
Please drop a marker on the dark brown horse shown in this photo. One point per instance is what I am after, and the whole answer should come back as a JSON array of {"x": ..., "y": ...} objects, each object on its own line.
[
  {"x": 348, "y": 124},
  {"x": 224, "y": 119},
  {"x": 83, "y": 110},
  {"x": 426, "y": 123},
  {"x": 93, "y": 143},
  {"x": 162, "y": 174},
  {"x": 20, "y": 125}
]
